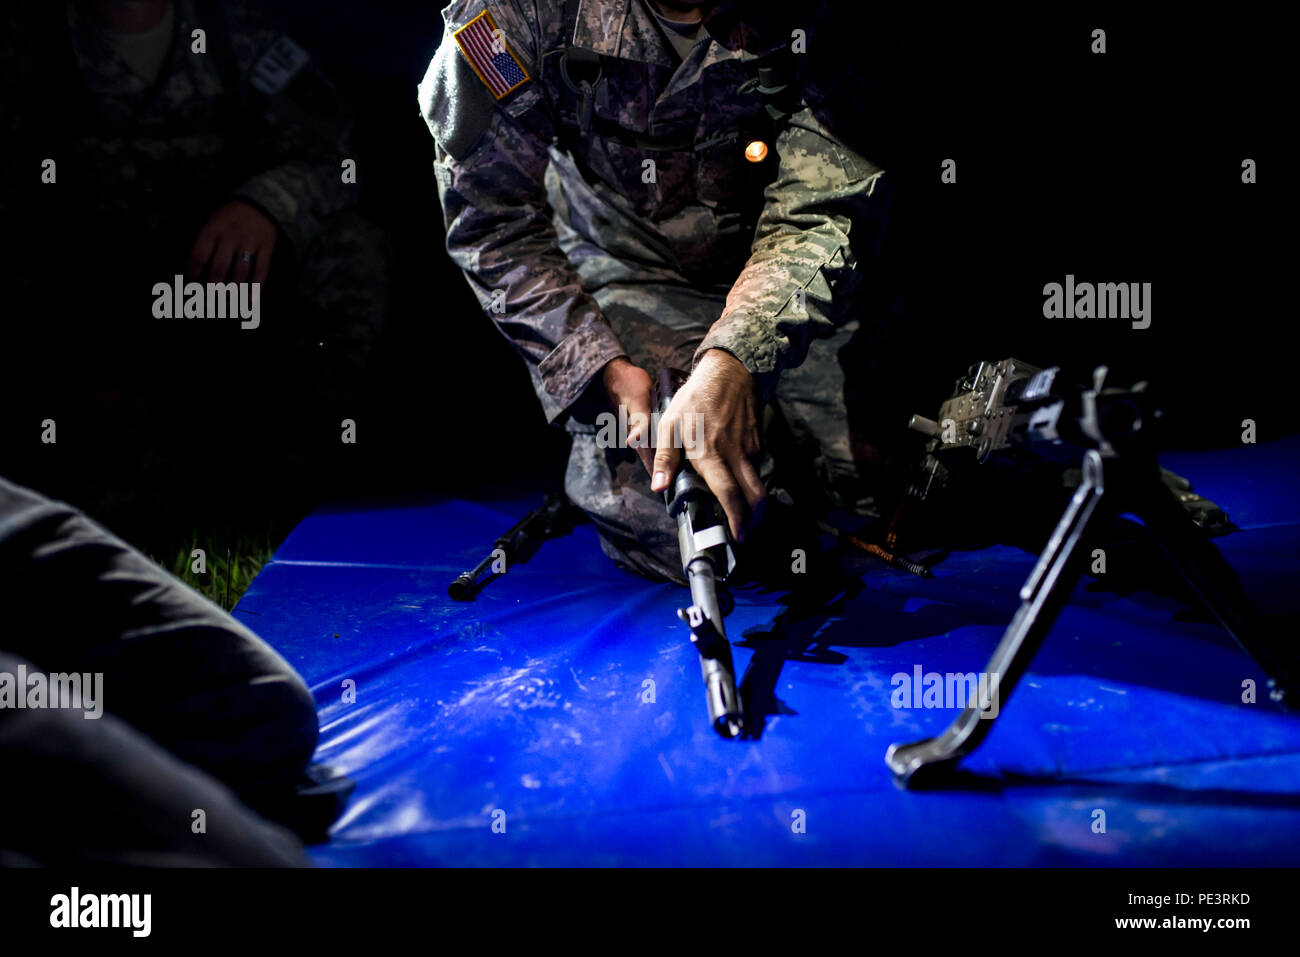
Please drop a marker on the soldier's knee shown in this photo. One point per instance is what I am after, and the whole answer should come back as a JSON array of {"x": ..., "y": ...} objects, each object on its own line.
[
  {"x": 611, "y": 487},
  {"x": 350, "y": 249}
]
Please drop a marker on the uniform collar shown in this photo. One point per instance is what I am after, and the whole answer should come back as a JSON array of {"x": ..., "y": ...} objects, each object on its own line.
[
  {"x": 626, "y": 29},
  {"x": 623, "y": 28}
]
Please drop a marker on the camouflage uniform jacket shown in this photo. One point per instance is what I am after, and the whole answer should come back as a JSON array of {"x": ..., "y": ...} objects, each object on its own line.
[{"x": 657, "y": 177}]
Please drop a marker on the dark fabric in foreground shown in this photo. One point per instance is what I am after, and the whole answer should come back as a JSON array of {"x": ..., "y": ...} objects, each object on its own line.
[{"x": 198, "y": 712}]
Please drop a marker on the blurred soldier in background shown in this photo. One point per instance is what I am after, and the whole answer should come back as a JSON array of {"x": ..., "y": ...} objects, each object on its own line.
[
  {"x": 145, "y": 139},
  {"x": 152, "y": 138},
  {"x": 634, "y": 184}
]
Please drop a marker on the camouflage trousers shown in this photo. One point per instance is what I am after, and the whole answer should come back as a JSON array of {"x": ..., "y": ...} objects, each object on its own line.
[
  {"x": 806, "y": 430},
  {"x": 345, "y": 281}
]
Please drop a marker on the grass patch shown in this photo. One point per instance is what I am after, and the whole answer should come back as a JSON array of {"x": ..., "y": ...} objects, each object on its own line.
[{"x": 230, "y": 560}]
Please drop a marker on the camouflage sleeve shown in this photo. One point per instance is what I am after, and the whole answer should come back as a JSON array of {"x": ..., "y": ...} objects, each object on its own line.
[
  {"x": 492, "y": 155},
  {"x": 785, "y": 296},
  {"x": 303, "y": 136}
]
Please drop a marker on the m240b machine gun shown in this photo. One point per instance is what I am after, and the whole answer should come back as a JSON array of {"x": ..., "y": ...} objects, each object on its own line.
[{"x": 1012, "y": 410}]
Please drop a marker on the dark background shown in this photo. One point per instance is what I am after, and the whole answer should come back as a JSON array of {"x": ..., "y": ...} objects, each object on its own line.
[{"x": 1122, "y": 167}]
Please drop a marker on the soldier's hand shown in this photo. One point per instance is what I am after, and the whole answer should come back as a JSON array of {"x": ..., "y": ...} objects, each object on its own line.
[
  {"x": 630, "y": 386},
  {"x": 716, "y": 411},
  {"x": 235, "y": 243}
]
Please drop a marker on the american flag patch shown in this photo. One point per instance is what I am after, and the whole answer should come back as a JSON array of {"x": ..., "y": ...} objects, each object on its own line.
[{"x": 485, "y": 48}]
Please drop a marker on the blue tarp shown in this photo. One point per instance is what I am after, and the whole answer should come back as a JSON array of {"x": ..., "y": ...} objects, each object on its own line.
[{"x": 566, "y": 704}]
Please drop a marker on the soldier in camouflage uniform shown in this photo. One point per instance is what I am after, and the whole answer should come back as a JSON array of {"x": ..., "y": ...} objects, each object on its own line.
[
  {"x": 218, "y": 156},
  {"x": 600, "y": 191},
  {"x": 597, "y": 170}
]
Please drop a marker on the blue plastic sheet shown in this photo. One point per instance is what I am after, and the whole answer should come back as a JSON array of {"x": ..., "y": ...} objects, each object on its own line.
[{"x": 531, "y": 707}]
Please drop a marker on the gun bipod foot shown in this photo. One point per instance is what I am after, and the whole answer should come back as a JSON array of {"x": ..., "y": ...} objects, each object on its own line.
[{"x": 922, "y": 764}]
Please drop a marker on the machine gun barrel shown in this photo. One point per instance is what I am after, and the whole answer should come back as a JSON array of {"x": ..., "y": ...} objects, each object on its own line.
[
  {"x": 707, "y": 559},
  {"x": 540, "y": 523}
]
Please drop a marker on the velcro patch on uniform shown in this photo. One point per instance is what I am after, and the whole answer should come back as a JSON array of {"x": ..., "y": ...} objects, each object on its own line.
[
  {"x": 278, "y": 66},
  {"x": 485, "y": 48}
]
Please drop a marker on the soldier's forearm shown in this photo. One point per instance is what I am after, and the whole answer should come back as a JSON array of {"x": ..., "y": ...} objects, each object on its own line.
[
  {"x": 299, "y": 195},
  {"x": 786, "y": 296}
]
